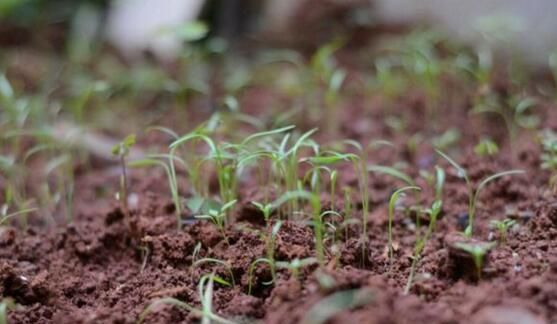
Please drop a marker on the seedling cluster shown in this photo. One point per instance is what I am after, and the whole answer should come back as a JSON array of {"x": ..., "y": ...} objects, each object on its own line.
[{"x": 304, "y": 171}]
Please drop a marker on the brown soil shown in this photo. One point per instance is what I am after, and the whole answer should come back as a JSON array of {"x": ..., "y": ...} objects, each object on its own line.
[{"x": 92, "y": 271}]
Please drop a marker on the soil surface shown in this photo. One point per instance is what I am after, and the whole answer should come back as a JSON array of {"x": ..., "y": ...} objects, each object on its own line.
[{"x": 93, "y": 271}]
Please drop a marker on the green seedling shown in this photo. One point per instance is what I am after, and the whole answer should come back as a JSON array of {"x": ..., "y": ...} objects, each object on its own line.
[
  {"x": 205, "y": 291},
  {"x": 270, "y": 252},
  {"x": 252, "y": 268},
  {"x": 421, "y": 242},
  {"x": 439, "y": 183},
  {"x": 121, "y": 151},
  {"x": 392, "y": 203},
  {"x": 321, "y": 162},
  {"x": 6, "y": 305},
  {"x": 316, "y": 217},
  {"x": 266, "y": 210},
  {"x": 486, "y": 147},
  {"x": 218, "y": 217},
  {"x": 503, "y": 227},
  {"x": 548, "y": 140},
  {"x": 157, "y": 160},
  {"x": 195, "y": 253},
  {"x": 360, "y": 165},
  {"x": 395, "y": 173},
  {"x": 226, "y": 265},
  {"x": 5, "y": 216},
  {"x": 332, "y": 224},
  {"x": 478, "y": 251},
  {"x": 515, "y": 112},
  {"x": 474, "y": 193},
  {"x": 295, "y": 265},
  {"x": 145, "y": 252},
  {"x": 327, "y": 73},
  {"x": 448, "y": 139},
  {"x": 341, "y": 301}
]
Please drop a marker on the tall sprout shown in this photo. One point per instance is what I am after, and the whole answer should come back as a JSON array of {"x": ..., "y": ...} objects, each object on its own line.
[{"x": 474, "y": 193}]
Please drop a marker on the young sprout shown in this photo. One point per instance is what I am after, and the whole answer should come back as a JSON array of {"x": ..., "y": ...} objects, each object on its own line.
[
  {"x": 155, "y": 160},
  {"x": 486, "y": 147},
  {"x": 316, "y": 217},
  {"x": 218, "y": 217},
  {"x": 478, "y": 251},
  {"x": 322, "y": 162},
  {"x": 392, "y": 204},
  {"x": 226, "y": 265},
  {"x": 121, "y": 150},
  {"x": 145, "y": 252},
  {"x": 266, "y": 209},
  {"x": 4, "y": 216},
  {"x": 503, "y": 227},
  {"x": 252, "y": 267},
  {"x": 421, "y": 242},
  {"x": 474, "y": 193},
  {"x": 439, "y": 183},
  {"x": 515, "y": 112},
  {"x": 5, "y": 305},
  {"x": 548, "y": 140},
  {"x": 326, "y": 72},
  {"x": 295, "y": 265},
  {"x": 195, "y": 252},
  {"x": 205, "y": 291}
]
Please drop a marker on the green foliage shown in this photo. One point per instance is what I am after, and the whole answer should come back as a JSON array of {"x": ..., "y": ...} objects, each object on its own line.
[
  {"x": 486, "y": 147},
  {"x": 121, "y": 150},
  {"x": 503, "y": 227},
  {"x": 218, "y": 217},
  {"x": 392, "y": 203},
  {"x": 421, "y": 242},
  {"x": 205, "y": 291},
  {"x": 478, "y": 251},
  {"x": 155, "y": 160},
  {"x": 5, "y": 305},
  {"x": 548, "y": 140},
  {"x": 324, "y": 310},
  {"x": 474, "y": 193},
  {"x": 295, "y": 265},
  {"x": 226, "y": 265}
]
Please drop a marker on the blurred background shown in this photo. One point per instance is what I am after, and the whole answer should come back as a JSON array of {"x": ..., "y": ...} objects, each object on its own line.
[{"x": 161, "y": 28}]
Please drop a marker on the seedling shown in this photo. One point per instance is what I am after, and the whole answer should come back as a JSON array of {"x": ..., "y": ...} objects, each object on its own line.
[
  {"x": 155, "y": 160},
  {"x": 486, "y": 147},
  {"x": 474, "y": 193},
  {"x": 503, "y": 227},
  {"x": 266, "y": 209},
  {"x": 326, "y": 72},
  {"x": 5, "y": 305},
  {"x": 121, "y": 150},
  {"x": 295, "y": 265},
  {"x": 392, "y": 204},
  {"x": 4, "y": 216},
  {"x": 226, "y": 265},
  {"x": 205, "y": 291},
  {"x": 421, "y": 242},
  {"x": 478, "y": 251},
  {"x": 145, "y": 252},
  {"x": 316, "y": 217},
  {"x": 515, "y": 112},
  {"x": 218, "y": 217},
  {"x": 252, "y": 267},
  {"x": 548, "y": 140}
]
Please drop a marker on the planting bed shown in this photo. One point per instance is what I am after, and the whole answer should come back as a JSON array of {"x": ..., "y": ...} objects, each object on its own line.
[{"x": 109, "y": 265}]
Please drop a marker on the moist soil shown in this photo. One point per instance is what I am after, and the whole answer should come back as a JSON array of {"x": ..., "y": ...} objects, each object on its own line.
[{"x": 93, "y": 271}]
